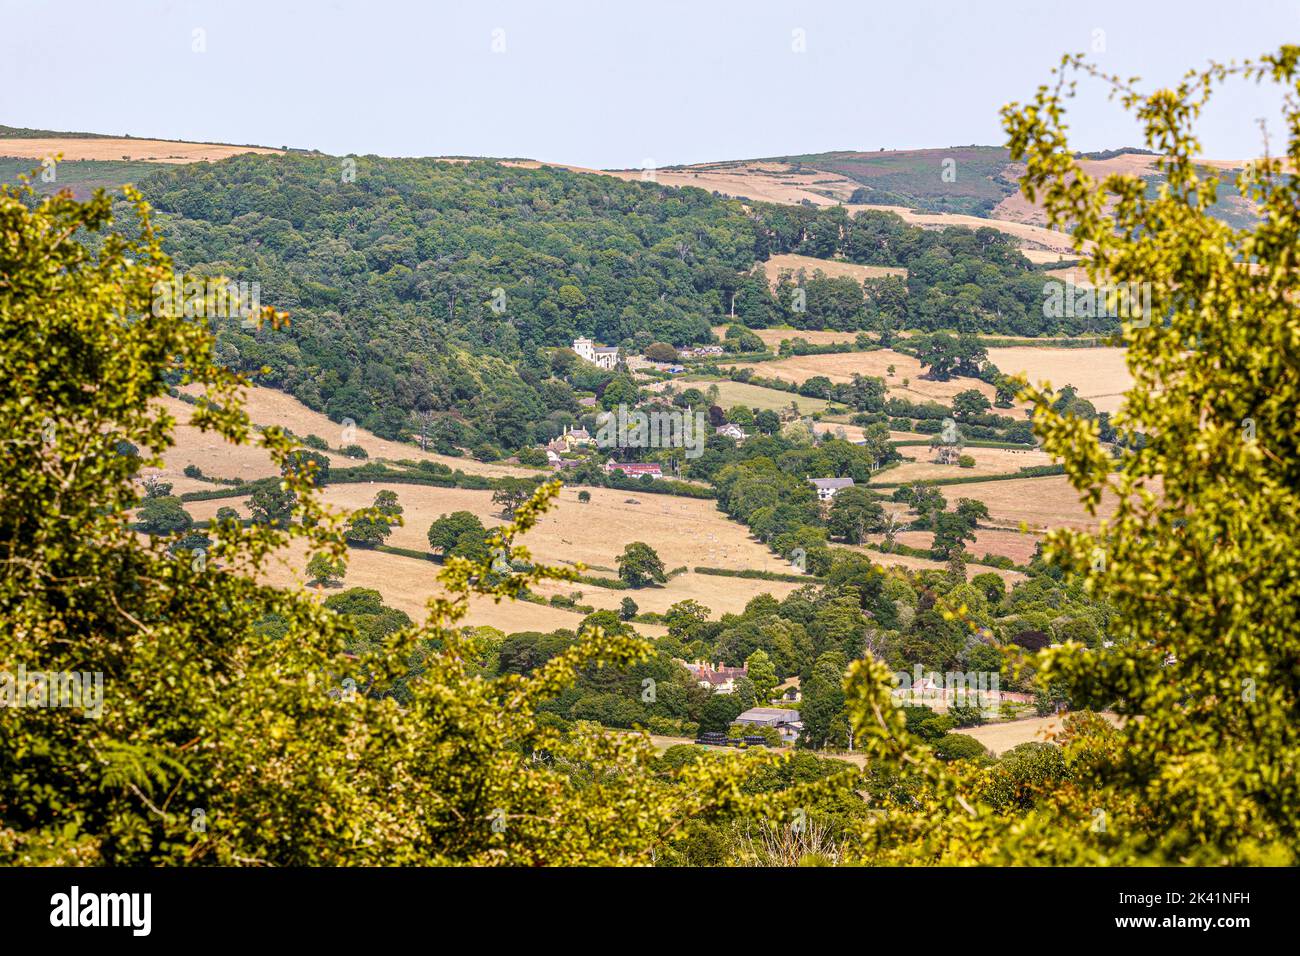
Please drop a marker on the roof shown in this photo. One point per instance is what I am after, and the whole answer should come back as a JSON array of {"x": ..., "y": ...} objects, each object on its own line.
[
  {"x": 770, "y": 713},
  {"x": 831, "y": 483}
]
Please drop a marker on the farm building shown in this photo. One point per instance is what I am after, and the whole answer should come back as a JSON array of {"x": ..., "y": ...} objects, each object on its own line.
[{"x": 785, "y": 721}]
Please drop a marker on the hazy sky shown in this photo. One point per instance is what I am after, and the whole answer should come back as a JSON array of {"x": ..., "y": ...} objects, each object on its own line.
[{"x": 610, "y": 84}]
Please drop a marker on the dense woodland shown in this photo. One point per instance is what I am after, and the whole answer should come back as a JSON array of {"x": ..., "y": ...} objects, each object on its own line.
[{"x": 430, "y": 294}]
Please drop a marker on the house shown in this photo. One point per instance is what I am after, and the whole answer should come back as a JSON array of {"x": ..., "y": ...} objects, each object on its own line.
[
  {"x": 732, "y": 431},
  {"x": 570, "y": 439},
  {"x": 785, "y": 721},
  {"x": 606, "y": 356},
  {"x": 634, "y": 469},
  {"x": 720, "y": 679},
  {"x": 552, "y": 458},
  {"x": 827, "y": 487}
]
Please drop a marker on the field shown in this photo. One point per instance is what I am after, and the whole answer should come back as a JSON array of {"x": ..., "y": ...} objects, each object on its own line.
[
  {"x": 772, "y": 337},
  {"x": 732, "y": 393},
  {"x": 125, "y": 148},
  {"x": 1100, "y": 375},
  {"x": 1011, "y": 544},
  {"x": 1040, "y": 503},
  {"x": 686, "y": 532},
  {"x": 1001, "y": 737},
  {"x": 841, "y": 366},
  {"x": 832, "y": 268},
  {"x": 988, "y": 461}
]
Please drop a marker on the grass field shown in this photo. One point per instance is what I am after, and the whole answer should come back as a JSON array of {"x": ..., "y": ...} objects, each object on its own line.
[
  {"x": 840, "y": 367},
  {"x": 832, "y": 268},
  {"x": 1099, "y": 374},
  {"x": 686, "y": 532},
  {"x": 732, "y": 393},
  {"x": 988, "y": 461},
  {"x": 125, "y": 148}
]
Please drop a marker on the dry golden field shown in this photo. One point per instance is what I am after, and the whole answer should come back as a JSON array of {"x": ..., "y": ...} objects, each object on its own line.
[
  {"x": 1011, "y": 544},
  {"x": 1001, "y": 737},
  {"x": 988, "y": 461},
  {"x": 840, "y": 367},
  {"x": 732, "y": 393},
  {"x": 832, "y": 268},
  {"x": 1100, "y": 375},
  {"x": 772, "y": 337},
  {"x": 140, "y": 150}
]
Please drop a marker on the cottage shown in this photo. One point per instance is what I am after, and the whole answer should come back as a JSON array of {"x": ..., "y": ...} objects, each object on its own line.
[
  {"x": 732, "y": 431},
  {"x": 827, "y": 487}
]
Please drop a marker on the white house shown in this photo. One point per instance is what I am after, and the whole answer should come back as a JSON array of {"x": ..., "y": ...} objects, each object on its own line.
[
  {"x": 826, "y": 487},
  {"x": 732, "y": 431},
  {"x": 606, "y": 356}
]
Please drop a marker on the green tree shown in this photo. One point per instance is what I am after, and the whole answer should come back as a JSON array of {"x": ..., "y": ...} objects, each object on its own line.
[
  {"x": 1198, "y": 557},
  {"x": 763, "y": 675},
  {"x": 627, "y": 609},
  {"x": 163, "y": 515},
  {"x": 639, "y": 565},
  {"x": 326, "y": 570},
  {"x": 447, "y": 529},
  {"x": 273, "y": 504},
  {"x": 854, "y": 514},
  {"x": 372, "y": 526}
]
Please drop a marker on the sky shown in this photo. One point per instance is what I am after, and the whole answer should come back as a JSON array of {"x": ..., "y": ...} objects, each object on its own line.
[{"x": 612, "y": 84}]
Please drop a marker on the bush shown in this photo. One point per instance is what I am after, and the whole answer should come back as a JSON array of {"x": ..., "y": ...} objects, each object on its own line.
[
  {"x": 959, "y": 747},
  {"x": 355, "y": 451}
]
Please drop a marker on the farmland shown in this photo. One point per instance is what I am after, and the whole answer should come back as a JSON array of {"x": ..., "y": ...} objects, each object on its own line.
[
  {"x": 831, "y": 268},
  {"x": 1100, "y": 375}
]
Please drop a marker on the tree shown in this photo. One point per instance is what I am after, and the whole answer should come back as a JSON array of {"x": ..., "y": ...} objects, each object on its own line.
[
  {"x": 854, "y": 514},
  {"x": 373, "y": 525},
  {"x": 511, "y": 493},
  {"x": 639, "y": 565},
  {"x": 684, "y": 617},
  {"x": 154, "y": 487},
  {"x": 226, "y": 513},
  {"x": 163, "y": 516},
  {"x": 584, "y": 496},
  {"x": 660, "y": 352},
  {"x": 763, "y": 675},
  {"x": 719, "y": 712},
  {"x": 1199, "y": 562},
  {"x": 310, "y": 464},
  {"x": 627, "y": 609},
  {"x": 272, "y": 504},
  {"x": 969, "y": 404},
  {"x": 325, "y": 570},
  {"x": 951, "y": 747},
  {"x": 447, "y": 529}
]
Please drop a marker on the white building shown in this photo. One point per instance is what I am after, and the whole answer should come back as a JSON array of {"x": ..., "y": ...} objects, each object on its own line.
[
  {"x": 826, "y": 487},
  {"x": 606, "y": 356}
]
